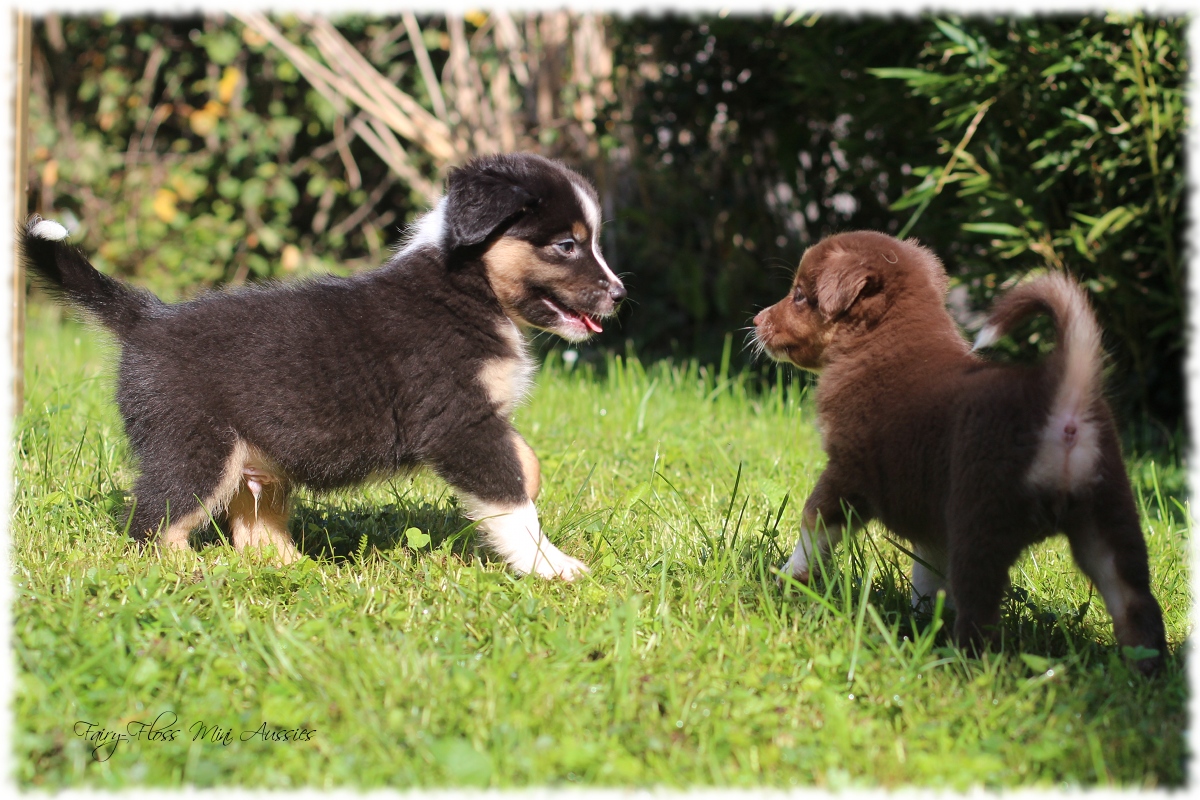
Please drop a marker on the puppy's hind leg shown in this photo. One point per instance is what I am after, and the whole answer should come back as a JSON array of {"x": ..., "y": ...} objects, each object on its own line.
[
  {"x": 173, "y": 498},
  {"x": 1107, "y": 542},
  {"x": 982, "y": 548},
  {"x": 259, "y": 522},
  {"x": 162, "y": 516},
  {"x": 258, "y": 509}
]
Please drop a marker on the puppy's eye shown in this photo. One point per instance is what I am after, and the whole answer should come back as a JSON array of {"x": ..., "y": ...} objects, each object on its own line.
[
  {"x": 566, "y": 246},
  {"x": 798, "y": 296}
]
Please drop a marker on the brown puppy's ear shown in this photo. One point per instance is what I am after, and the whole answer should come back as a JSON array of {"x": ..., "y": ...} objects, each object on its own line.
[{"x": 843, "y": 280}]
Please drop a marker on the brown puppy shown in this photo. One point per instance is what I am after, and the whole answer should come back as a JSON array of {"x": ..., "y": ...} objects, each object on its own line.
[{"x": 971, "y": 461}]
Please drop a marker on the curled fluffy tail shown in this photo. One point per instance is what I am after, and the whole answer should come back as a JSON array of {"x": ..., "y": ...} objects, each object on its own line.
[
  {"x": 1070, "y": 445},
  {"x": 64, "y": 271}
]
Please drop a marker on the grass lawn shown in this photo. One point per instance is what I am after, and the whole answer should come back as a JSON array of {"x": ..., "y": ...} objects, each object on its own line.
[{"x": 396, "y": 657}]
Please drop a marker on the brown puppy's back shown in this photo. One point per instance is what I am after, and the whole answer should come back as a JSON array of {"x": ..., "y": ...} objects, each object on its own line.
[{"x": 969, "y": 460}]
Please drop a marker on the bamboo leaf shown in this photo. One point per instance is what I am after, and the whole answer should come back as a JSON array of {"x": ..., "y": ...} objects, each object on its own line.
[
  {"x": 1114, "y": 220},
  {"x": 992, "y": 228}
]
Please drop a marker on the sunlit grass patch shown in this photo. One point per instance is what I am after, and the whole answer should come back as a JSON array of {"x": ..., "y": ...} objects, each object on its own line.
[{"x": 414, "y": 661}]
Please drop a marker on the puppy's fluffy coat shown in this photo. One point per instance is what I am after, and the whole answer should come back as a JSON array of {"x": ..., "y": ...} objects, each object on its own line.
[
  {"x": 969, "y": 460},
  {"x": 231, "y": 399}
]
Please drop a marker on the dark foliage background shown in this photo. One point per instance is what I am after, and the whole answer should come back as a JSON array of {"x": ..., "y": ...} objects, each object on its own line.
[
  {"x": 752, "y": 138},
  {"x": 188, "y": 152}
]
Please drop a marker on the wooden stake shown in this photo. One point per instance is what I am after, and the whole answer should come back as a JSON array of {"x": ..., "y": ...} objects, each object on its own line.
[{"x": 23, "y": 30}]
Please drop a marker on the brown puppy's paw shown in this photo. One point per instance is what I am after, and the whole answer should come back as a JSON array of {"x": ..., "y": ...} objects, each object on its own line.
[{"x": 796, "y": 568}]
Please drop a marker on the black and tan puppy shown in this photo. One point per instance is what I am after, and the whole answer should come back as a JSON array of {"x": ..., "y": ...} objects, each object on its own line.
[
  {"x": 231, "y": 399},
  {"x": 971, "y": 461}
]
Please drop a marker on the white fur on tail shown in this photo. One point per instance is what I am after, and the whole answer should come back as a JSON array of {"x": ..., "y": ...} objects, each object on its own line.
[
  {"x": 1070, "y": 443},
  {"x": 49, "y": 230}
]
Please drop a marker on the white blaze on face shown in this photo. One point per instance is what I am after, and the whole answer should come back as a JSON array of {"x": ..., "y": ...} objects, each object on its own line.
[{"x": 591, "y": 211}]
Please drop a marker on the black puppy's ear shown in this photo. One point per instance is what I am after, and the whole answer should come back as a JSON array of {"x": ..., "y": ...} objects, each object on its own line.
[
  {"x": 478, "y": 204},
  {"x": 844, "y": 278}
]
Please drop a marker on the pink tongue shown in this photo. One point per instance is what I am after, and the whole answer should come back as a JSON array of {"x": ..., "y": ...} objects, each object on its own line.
[{"x": 591, "y": 323}]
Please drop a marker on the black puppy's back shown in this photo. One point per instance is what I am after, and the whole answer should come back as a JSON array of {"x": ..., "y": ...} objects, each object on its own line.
[
  {"x": 232, "y": 398},
  {"x": 332, "y": 379}
]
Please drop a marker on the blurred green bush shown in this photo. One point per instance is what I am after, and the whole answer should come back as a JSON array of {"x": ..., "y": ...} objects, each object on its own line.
[
  {"x": 189, "y": 153},
  {"x": 1064, "y": 149}
]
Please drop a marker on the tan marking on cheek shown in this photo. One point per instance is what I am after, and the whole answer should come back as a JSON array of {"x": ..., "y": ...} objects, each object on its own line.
[
  {"x": 511, "y": 266},
  {"x": 509, "y": 263},
  {"x": 531, "y": 470}
]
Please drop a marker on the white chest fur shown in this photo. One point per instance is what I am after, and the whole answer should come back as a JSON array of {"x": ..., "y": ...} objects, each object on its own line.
[{"x": 507, "y": 379}]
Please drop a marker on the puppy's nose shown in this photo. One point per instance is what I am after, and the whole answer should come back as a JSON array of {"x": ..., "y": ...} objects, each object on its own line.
[
  {"x": 617, "y": 292},
  {"x": 760, "y": 318}
]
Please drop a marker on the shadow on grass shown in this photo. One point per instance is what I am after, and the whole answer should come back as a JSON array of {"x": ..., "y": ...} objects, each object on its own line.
[
  {"x": 1029, "y": 629},
  {"x": 339, "y": 531}
]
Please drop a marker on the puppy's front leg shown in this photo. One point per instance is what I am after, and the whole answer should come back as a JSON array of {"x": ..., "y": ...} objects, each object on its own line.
[
  {"x": 514, "y": 533},
  {"x": 497, "y": 482},
  {"x": 531, "y": 470},
  {"x": 822, "y": 525}
]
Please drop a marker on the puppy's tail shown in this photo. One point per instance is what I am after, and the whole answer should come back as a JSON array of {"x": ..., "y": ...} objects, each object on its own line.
[
  {"x": 65, "y": 271},
  {"x": 1070, "y": 444}
]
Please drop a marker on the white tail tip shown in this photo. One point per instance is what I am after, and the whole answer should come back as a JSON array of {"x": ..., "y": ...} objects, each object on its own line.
[
  {"x": 986, "y": 338},
  {"x": 48, "y": 229}
]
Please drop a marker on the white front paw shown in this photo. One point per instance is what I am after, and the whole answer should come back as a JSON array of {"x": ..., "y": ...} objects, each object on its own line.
[
  {"x": 798, "y": 565},
  {"x": 516, "y": 536},
  {"x": 554, "y": 563}
]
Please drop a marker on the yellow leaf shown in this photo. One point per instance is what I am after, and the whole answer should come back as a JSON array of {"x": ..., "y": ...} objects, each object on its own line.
[
  {"x": 186, "y": 190},
  {"x": 290, "y": 258},
  {"x": 253, "y": 37},
  {"x": 203, "y": 121},
  {"x": 476, "y": 18},
  {"x": 50, "y": 173},
  {"x": 229, "y": 82},
  {"x": 164, "y": 205}
]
